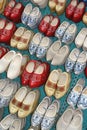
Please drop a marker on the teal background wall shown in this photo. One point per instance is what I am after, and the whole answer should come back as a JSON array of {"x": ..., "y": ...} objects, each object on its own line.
[{"x": 74, "y": 77}]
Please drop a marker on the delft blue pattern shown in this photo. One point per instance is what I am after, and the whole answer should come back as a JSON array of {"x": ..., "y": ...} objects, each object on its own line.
[
  {"x": 41, "y": 51},
  {"x": 69, "y": 65},
  {"x": 47, "y": 123},
  {"x": 33, "y": 21},
  {"x": 73, "y": 98},
  {"x": 79, "y": 67},
  {"x": 36, "y": 119},
  {"x": 24, "y": 18},
  {"x": 32, "y": 48},
  {"x": 60, "y": 32},
  {"x": 67, "y": 38},
  {"x": 4, "y": 102},
  {"x": 83, "y": 101}
]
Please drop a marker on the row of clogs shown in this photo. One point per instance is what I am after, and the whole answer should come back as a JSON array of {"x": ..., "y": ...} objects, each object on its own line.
[
  {"x": 34, "y": 73},
  {"x": 46, "y": 113},
  {"x": 15, "y": 16},
  {"x": 74, "y": 11}
]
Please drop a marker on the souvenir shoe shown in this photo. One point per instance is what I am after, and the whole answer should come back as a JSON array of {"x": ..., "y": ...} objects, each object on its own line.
[
  {"x": 82, "y": 102},
  {"x": 80, "y": 38},
  {"x": 28, "y": 71},
  {"x": 1, "y": 113},
  {"x": 61, "y": 29},
  {"x": 29, "y": 104},
  {"x": 7, "y": 32},
  {"x": 8, "y": 9},
  {"x": 79, "y": 12},
  {"x": 45, "y": 23},
  {"x": 17, "y": 36},
  {"x": 63, "y": 85},
  {"x": 81, "y": 63},
  {"x": 54, "y": 48},
  {"x": 85, "y": 44},
  {"x": 7, "y": 93},
  {"x": 16, "y": 13},
  {"x": 16, "y": 102},
  {"x": 25, "y": 40},
  {"x": 34, "y": 18},
  {"x": 76, "y": 122},
  {"x": 18, "y": 124},
  {"x": 52, "y": 4},
  {"x": 26, "y": 12},
  {"x": 2, "y": 5},
  {"x": 50, "y": 115},
  {"x": 40, "y": 75},
  {"x": 65, "y": 119},
  {"x": 5, "y": 60},
  {"x": 60, "y": 7},
  {"x": 84, "y": 19},
  {"x": 14, "y": 69},
  {"x": 33, "y": 46},
  {"x": 70, "y": 34},
  {"x": 40, "y": 111},
  {"x": 53, "y": 26},
  {"x": 59, "y": 58},
  {"x": 43, "y": 47},
  {"x": 3, "y": 83},
  {"x": 41, "y": 4},
  {"x": 71, "y": 9},
  {"x": 51, "y": 84},
  {"x": 75, "y": 93},
  {"x": 3, "y": 23},
  {"x": 7, "y": 121},
  {"x": 3, "y": 51},
  {"x": 71, "y": 60}
]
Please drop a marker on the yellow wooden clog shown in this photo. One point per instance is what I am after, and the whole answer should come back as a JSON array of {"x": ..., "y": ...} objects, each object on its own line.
[
  {"x": 29, "y": 104},
  {"x": 25, "y": 40},
  {"x": 60, "y": 7},
  {"x": 2, "y": 5},
  {"x": 17, "y": 36},
  {"x": 84, "y": 19},
  {"x": 51, "y": 84},
  {"x": 17, "y": 100},
  {"x": 52, "y": 5},
  {"x": 62, "y": 85}
]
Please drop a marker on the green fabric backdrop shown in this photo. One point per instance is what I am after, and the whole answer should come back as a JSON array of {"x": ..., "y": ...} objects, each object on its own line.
[{"x": 73, "y": 76}]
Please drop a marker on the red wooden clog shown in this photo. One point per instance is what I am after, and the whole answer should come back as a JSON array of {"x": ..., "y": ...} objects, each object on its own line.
[
  {"x": 8, "y": 9},
  {"x": 71, "y": 8},
  {"x": 79, "y": 12},
  {"x": 40, "y": 75},
  {"x": 16, "y": 13},
  {"x": 28, "y": 71}
]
